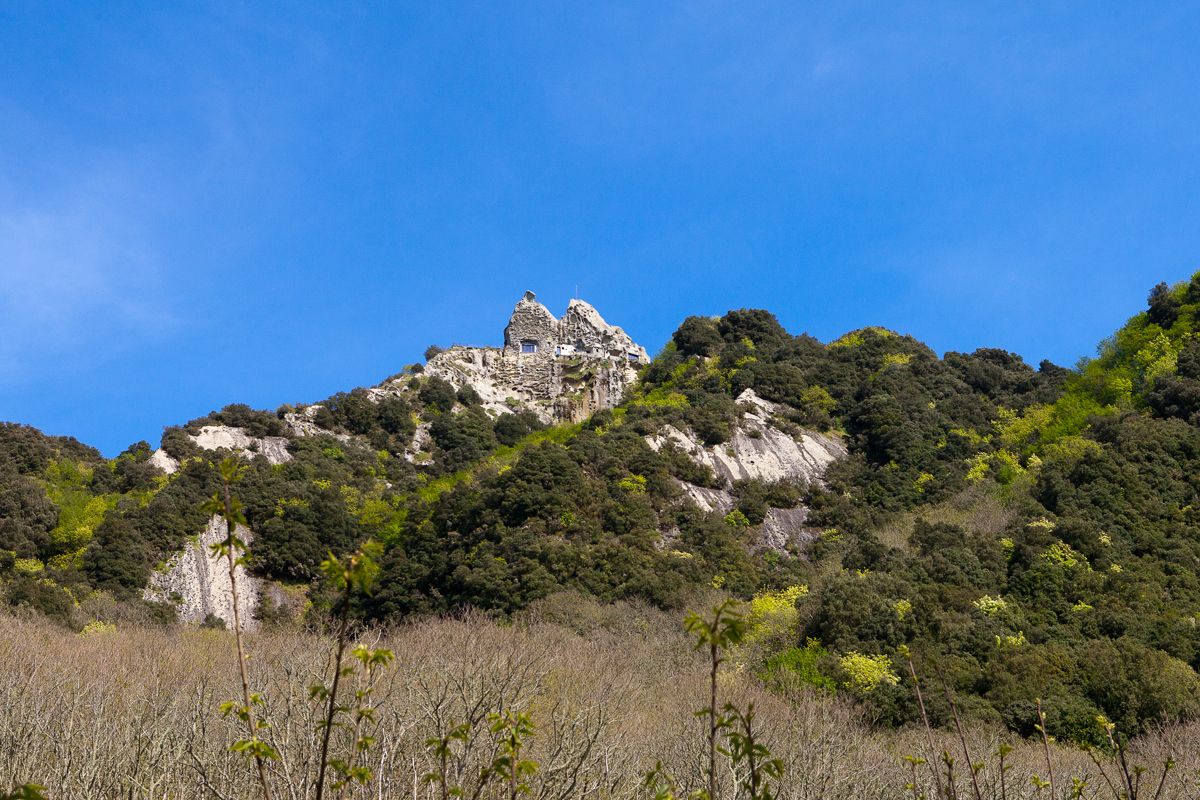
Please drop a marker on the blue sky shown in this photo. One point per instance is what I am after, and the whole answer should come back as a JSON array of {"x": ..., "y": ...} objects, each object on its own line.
[{"x": 243, "y": 202}]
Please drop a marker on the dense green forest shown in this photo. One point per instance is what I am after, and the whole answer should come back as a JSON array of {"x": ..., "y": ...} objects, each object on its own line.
[{"x": 1026, "y": 533}]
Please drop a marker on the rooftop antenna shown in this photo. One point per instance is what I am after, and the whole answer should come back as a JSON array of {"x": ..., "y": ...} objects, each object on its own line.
[{"x": 577, "y": 291}]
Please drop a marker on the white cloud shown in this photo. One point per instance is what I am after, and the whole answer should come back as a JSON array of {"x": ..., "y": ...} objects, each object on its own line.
[{"x": 79, "y": 279}]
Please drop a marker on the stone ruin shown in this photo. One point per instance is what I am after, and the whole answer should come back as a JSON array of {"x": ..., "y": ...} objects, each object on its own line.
[{"x": 561, "y": 369}]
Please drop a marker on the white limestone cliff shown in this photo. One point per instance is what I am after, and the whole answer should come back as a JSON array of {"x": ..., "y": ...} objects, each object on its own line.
[
  {"x": 197, "y": 582},
  {"x": 216, "y": 437},
  {"x": 757, "y": 450}
]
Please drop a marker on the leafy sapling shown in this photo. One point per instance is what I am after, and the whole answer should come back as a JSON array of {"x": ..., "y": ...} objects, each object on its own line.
[
  {"x": 511, "y": 731},
  {"x": 233, "y": 549},
  {"x": 349, "y": 576},
  {"x": 744, "y": 748},
  {"x": 750, "y": 759},
  {"x": 508, "y": 768},
  {"x": 724, "y": 629},
  {"x": 442, "y": 749}
]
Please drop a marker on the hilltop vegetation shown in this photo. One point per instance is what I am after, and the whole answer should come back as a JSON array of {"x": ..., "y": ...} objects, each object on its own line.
[{"x": 1027, "y": 533}]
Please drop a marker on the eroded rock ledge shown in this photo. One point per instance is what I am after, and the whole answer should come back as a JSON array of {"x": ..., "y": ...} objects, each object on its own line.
[{"x": 757, "y": 451}]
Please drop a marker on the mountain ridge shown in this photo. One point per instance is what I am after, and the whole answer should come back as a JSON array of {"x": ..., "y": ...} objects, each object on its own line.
[{"x": 987, "y": 515}]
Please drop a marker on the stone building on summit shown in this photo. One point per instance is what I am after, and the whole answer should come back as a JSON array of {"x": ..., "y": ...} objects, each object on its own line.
[
  {"x": 581, "y": 332},
  {"x": 561, "y": 369}
]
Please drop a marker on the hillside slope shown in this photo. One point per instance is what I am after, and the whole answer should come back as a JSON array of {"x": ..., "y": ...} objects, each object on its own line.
[{"x": 1029, "y": 533}]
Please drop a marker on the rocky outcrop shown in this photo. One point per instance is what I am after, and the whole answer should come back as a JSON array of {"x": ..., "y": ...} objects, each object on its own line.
[
  {"x": 784, "y": 528},
  {"x": 560, "y": 369},
  {"x": 160, "y": 459},
  {"x": 758, "y": 450},
  {"x": 197, "y": 582},
  {"x": 707, "y": 498},
  {"x": 301, "y": 423},
  {"x": 217, "y": 437}
]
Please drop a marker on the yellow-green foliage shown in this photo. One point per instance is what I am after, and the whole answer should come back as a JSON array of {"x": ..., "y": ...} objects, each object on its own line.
[
  {"x": 71, "y": 560},
  {"x": 662, "y": 397},
  {"x": 1129, "y": 363},
  {"x": 96, "y": 627},
  {"x": 385, "y": 517},
  {"x": 1063, "y": 555},
  {"x": 972, "y": 436},
  {"x": 1070, "y": 449},
  {"x": 736, "y": 519},
  {"x": 923, "y": 480},
  {"x": 1011, "y": 640},
  {"x": 990, "y": 606},
  {"x": 866, "y": 673},
  {"x": 903, "y": 607},
  {"x": 818, "y": 397},
  {"x": 1008, "y": 546},
  {"x": 774, "y": 614},
  {"x": 284, "y": 503},
  {"x": 895, "y": 360},
  {"x": 634, "y": 484},
  {"x": 28, "y": 566},
  {"x": 1003, "y": 465},
  {"x": 1157, "y": 358},
  {"x": 977, "y": 467},
  {"x": 433, "y": 489},
  {"x": 1020, "y": 431},
  {"x": 79, "y": 511},
  {"x": 500, "y": 460},
  {"x": 1038, "y": 427},
  {"x": 856, "y": 338}
]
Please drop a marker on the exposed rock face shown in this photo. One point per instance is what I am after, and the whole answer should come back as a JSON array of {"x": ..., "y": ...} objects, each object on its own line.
[
  {"x": 197, "y": 583},
  {"x": 216, "y": 437},
  {"x": 194, "y": 581},
  {"x": 708, "y": 499},
  {"x": 160, "y": 459},
  {"x": 300, "y": 423},
  {"x": 784, "y": 527},
  {"x": 561, "y": 369},
  {"x": 757, "y": 450}
]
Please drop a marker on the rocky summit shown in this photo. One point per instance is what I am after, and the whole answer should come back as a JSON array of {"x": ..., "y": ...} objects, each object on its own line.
[
  {"x": 865, "y": 492},
  {"x": 561, "y": 369},
  {"x": 549, "y": 371}
]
